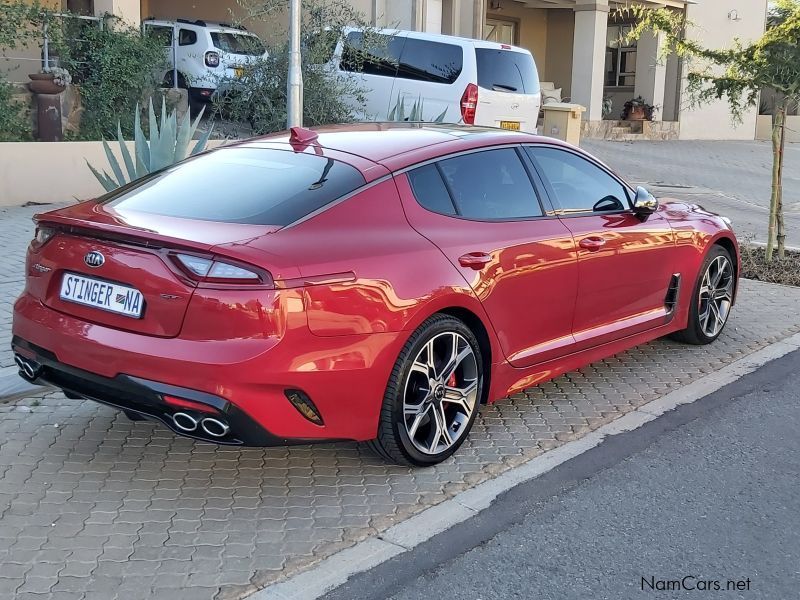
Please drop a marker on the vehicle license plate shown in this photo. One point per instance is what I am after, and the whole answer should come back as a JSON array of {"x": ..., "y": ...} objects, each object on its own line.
[
  {"x": 105, "y": 295},
  {"x": 513, "y": 125},
  {"x": 238, "y": 71}
]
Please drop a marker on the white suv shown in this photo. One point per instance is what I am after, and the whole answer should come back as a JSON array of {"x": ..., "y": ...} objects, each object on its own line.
[
  {"x": 209, "y": 56},
  {"x": 455, "y": 80}
]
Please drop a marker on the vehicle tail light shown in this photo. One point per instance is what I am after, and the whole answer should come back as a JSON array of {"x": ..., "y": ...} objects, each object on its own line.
[
  {"x": 208, "y": 270},
  {"x": 212, "y": 59},
  {"x": 43, "y": 235},
  {"x": 190, "y": 404},
  {"x": 469, "y": 102}
]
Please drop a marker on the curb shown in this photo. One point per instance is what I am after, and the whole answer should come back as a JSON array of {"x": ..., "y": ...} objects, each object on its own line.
[{"x": 335, "y": 570}]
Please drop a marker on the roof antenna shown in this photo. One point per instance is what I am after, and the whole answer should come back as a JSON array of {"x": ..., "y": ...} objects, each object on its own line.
[{"x": 301, "y": 135}]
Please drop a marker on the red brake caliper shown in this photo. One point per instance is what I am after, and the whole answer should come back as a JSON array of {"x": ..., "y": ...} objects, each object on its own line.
[{"x": 451, "y": 382}]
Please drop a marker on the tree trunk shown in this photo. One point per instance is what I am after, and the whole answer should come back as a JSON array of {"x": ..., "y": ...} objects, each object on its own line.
[
  {"x": 775, "y": 200},
  {"x": 779, "y": 223}
]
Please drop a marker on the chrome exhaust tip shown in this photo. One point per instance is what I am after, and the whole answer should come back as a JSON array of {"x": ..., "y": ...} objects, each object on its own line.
[
  {"x": 214, "y": 427},
  {"x": 184, "y": 422},
  {"x": 28, "y": 369}
]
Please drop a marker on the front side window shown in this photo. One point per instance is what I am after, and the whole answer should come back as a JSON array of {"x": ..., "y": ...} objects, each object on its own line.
[
  {"x": 491, "y": 185},
  {"x": 161, "y": 33},
  {"x": 241, "y": 185},
  {"x": 579, "y": 185}
]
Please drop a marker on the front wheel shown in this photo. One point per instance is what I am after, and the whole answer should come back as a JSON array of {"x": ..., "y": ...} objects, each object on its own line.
[
  {"x": 712, "y": 299},
  {"x": 433, "y": 394}
]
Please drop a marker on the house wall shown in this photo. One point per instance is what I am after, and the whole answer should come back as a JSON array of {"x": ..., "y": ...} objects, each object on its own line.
[
  {"x": 558, "y": 58},
  {"x": 532, "y": 31},
  {"x": 16, "y": 64},
  {"x": 712, "y": 26}
]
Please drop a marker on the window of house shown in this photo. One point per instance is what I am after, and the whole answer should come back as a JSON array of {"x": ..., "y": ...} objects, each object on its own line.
[
  {"x": 579, "y": 185},
  {"x": 501, "y": 31},
  {"x": 620, "y": 57}
]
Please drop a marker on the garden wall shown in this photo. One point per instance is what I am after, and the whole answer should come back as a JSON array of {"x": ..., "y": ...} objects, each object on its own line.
[{"x": 53, "y": 172}]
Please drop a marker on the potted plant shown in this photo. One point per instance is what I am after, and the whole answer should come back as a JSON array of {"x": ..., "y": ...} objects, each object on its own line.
[
  {"x": 51, "y": 80},
  {"x": 637, "y": 109}
]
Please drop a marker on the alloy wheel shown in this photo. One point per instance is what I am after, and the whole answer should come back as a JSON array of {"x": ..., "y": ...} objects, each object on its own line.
[
  {"x": 716, "y": 296},
  {"x": 441, "y": 393}
]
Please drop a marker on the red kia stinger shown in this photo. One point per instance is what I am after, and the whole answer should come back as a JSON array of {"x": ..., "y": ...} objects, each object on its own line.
[{"x": 372, "y": 282}]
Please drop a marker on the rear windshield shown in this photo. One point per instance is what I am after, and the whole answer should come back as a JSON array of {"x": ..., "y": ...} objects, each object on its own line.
[
  {"x": 241, "y": 185},
  {"x": 237, "y": 43},
  {"x": 507, "y": 71}
]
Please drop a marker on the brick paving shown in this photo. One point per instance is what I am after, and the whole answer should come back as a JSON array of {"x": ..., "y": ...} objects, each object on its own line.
[{"x": 95, "y": 506}]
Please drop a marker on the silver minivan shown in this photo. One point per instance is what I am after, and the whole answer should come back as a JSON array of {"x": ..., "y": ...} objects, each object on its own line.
[{"x": 450, "y": 79}]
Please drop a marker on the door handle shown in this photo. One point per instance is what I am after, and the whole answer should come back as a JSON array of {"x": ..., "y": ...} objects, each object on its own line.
[
  {"x": 592, "y": 244},
  {"x": 475, "y": 260}
]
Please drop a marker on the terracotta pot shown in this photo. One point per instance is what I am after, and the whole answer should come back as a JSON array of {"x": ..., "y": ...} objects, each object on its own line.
[
  {"x": 42, "y": 83},
  {"x": 637, "y": 113}
]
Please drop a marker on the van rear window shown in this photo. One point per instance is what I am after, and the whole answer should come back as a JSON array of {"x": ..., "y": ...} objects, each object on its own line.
[
  {"x": 241, "y": 185},
  {"x": 507, "y": 71}
]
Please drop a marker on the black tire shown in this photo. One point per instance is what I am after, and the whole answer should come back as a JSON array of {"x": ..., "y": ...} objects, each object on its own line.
[
  {"x": 695, "y": 332},
  {"x": 394, "y": 443},
  {"x": 133, "y": 416}
]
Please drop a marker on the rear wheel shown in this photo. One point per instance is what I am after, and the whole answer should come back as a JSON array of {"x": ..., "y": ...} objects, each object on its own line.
[
  {"x": 433, "y": 394},
  {"x": 712, "y": 299}
]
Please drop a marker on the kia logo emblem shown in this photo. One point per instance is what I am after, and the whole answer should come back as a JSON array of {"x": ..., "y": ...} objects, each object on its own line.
[{"x": 94, "y": 259}]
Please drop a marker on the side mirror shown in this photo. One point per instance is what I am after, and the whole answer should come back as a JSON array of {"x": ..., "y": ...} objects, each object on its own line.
[{"x": 645, "y": 203}]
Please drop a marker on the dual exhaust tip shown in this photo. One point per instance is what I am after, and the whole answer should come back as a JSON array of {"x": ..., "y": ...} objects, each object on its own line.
[
  {"x": 209, "y": 425},
  {"x": 29, "y": 369}
]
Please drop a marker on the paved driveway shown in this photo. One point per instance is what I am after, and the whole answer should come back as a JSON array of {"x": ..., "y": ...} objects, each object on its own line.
[
  {"x": 731, "y": 178},
  {"x": 95, "y": 506}
]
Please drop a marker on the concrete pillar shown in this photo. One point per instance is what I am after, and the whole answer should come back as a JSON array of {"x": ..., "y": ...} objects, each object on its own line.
[
  {"x": 651, "y": 72},
  {"x": 588, "y": 56},
  {"x": 128, "y": 11}
]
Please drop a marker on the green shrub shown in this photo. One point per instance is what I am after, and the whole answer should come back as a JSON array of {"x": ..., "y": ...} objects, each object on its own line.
[
  {"x": 15, "y": 121},
  {"x": 115, "y": 68}
]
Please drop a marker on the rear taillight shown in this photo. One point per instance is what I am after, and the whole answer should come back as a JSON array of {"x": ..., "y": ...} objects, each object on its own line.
[
  {"x": 212, "y": 59},
  {"x": 469, "y": 102},
  {"x": 43, "y": 235},
  {"x": 208, "y": 270}
]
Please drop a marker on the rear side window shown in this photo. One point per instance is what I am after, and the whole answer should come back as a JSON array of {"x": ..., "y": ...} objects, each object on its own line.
[
  {"x": 377, "y": 55},
  {"x": 491, "y": 185},
  {"x": 430, "y": 191},
  {"x": 237, "y": 43},
  {"x": 161, "y": 33},
  {"x": 187, "y": 37},
  {"x": 241, "y": 185},
  {"x": 507, "y": 71},
  {"x": 423, "y": 60}
]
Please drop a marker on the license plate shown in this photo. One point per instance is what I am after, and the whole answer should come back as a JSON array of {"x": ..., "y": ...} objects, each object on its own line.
[
  {"x": 512, "y": 125},
  {"x": 238, "y": 71},
  {"x": 104, "y": 295}
]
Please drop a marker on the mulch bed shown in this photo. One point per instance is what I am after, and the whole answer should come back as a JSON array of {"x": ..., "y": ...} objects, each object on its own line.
[{"x": 785, "y": 271}]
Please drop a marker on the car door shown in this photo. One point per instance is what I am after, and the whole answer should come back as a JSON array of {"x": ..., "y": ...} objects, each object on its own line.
[
  {"x": 483, "y": 211},
  {"x": 625, "y": 262}
]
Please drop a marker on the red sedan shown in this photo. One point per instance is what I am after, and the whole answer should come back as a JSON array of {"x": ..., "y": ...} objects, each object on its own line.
[{"x": 369, "y": 282}]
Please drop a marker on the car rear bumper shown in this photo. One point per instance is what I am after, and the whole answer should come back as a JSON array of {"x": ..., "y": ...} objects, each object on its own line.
[
  {"x": 246, "y": 380},
  {"x": 143, "y": 397}
]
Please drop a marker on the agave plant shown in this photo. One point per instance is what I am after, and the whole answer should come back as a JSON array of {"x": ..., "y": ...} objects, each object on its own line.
[
  {"x": 398, "y": 112},
  {"x": 168, "y": 144}
]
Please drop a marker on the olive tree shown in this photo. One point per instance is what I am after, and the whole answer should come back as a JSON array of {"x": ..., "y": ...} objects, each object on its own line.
[{"x": 738, "y": 75}]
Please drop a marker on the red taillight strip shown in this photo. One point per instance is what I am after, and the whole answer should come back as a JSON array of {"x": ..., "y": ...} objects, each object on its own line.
[{"x": 190, "y": 404}]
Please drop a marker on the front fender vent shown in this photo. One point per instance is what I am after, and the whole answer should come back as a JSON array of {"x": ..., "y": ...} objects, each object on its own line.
[{"x": 673, "y": 292}]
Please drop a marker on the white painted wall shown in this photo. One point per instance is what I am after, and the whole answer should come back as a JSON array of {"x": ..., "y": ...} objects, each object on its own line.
[
  {"x": 433, "y": 16},
  {"x": 712, "y": 27}
]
